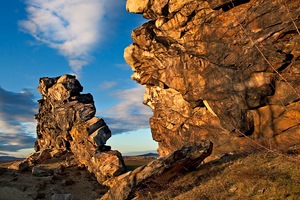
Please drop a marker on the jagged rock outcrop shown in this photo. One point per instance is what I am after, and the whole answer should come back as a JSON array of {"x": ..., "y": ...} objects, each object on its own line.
[
  {"x": 227, "y": 71},
  {"x": 182, "y": 160},
  {"x": 67, "y": 123}
]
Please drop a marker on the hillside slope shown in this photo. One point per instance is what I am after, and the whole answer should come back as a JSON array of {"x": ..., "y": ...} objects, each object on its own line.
[{"x": 262, "y": 175}]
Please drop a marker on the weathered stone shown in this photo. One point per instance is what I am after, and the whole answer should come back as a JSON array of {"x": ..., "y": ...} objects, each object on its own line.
[
  {"x": 71, "y": 161},
  {"x": 94, "y": 124},
  {"x": 175, "y": 5},
  {"x": 20, "y": 166},
  {"x": 31, "y": 158},
  {"x": 104, "y": 165},
  {"x": 186, "y": 158},
  {"x": 40, "y": 171},
  {"x": 212, "y": 68},
  {"x": 60, "y": 88},
  {"x": 216, "y": 4},
  {"x": 67, "y": 182},
  {"x": 67, "y": 123},
  {"x": 136, "y": 6},
  {"x": 60, "y": 170},
  {"x": 62, "y": 105},
  {"x": 43, "y": 155}
]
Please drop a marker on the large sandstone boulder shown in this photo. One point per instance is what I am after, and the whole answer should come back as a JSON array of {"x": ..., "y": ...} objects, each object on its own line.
[
  {"x": 66, "y": 122},
  {"x": 227, "y": 71}
]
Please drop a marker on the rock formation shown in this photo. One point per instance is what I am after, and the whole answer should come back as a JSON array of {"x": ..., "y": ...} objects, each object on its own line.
[
  {"x": 67, "y": 123},
  {"x": 227, "y": 71},
  {"x": 182, "y": 160}
]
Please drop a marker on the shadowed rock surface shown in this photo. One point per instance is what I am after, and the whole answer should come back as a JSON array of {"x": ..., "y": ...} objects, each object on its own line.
[
  {"x": 187, "y": 158},
  {"x": 67, "y": 123},
  {"x": 219, "y": 70}
]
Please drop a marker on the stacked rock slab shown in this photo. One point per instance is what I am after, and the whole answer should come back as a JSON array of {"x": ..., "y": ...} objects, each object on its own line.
[
  {"x": 66, "y": 122},
  {"x": 227, "y": 71},
  {"x": 128, "y": 186}
]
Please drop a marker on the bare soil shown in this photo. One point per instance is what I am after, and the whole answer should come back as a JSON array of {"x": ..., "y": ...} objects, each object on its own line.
[{"x": 78, "y": 182}]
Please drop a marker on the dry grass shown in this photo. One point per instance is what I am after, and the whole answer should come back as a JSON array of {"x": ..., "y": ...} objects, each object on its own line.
[
  {"x": 133, "y": 162},
  {"x": 255, "y": 176}
]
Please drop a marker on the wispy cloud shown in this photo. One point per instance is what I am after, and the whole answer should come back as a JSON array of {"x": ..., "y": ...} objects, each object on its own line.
[
  {"x": 17, "y": 125},
  {"x": 73, "y": 27},
  {"x": 3, "y": 154},
  {"x": 107, "y": 85},
  {"x": 130, "y": 114}
]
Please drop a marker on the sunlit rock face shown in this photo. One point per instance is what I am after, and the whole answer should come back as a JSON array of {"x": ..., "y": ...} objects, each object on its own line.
[
  {"x": 128, "y": 186},
  {"x": 217, "y": 70},
  {"x": 66, "y": 122}
]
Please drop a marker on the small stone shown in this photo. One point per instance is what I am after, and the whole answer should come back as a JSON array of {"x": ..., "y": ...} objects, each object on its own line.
[
  {"x": 55, "y": 191},
  {"x": 61, "y": 197},
  {"x": 20, "y": 166},
  {"x": 44, "y": 155},
  {"x": 67, "y": 182},
  {"x": 39, "y": 171},
  {"x": 60, "y": 170}
]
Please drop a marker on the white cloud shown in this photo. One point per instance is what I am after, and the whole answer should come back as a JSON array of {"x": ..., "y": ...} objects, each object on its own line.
[
  {"x": 17, "y": 124},
  {"x": 73, "y": 27},
  {"x": 107, "y": 85},
  {"x": 130, "y": 114},
  {"x": 15, "y": 136}
]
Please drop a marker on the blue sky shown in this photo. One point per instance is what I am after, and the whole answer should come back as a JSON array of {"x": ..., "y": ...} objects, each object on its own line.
[{"x": 49, "y": 38}]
